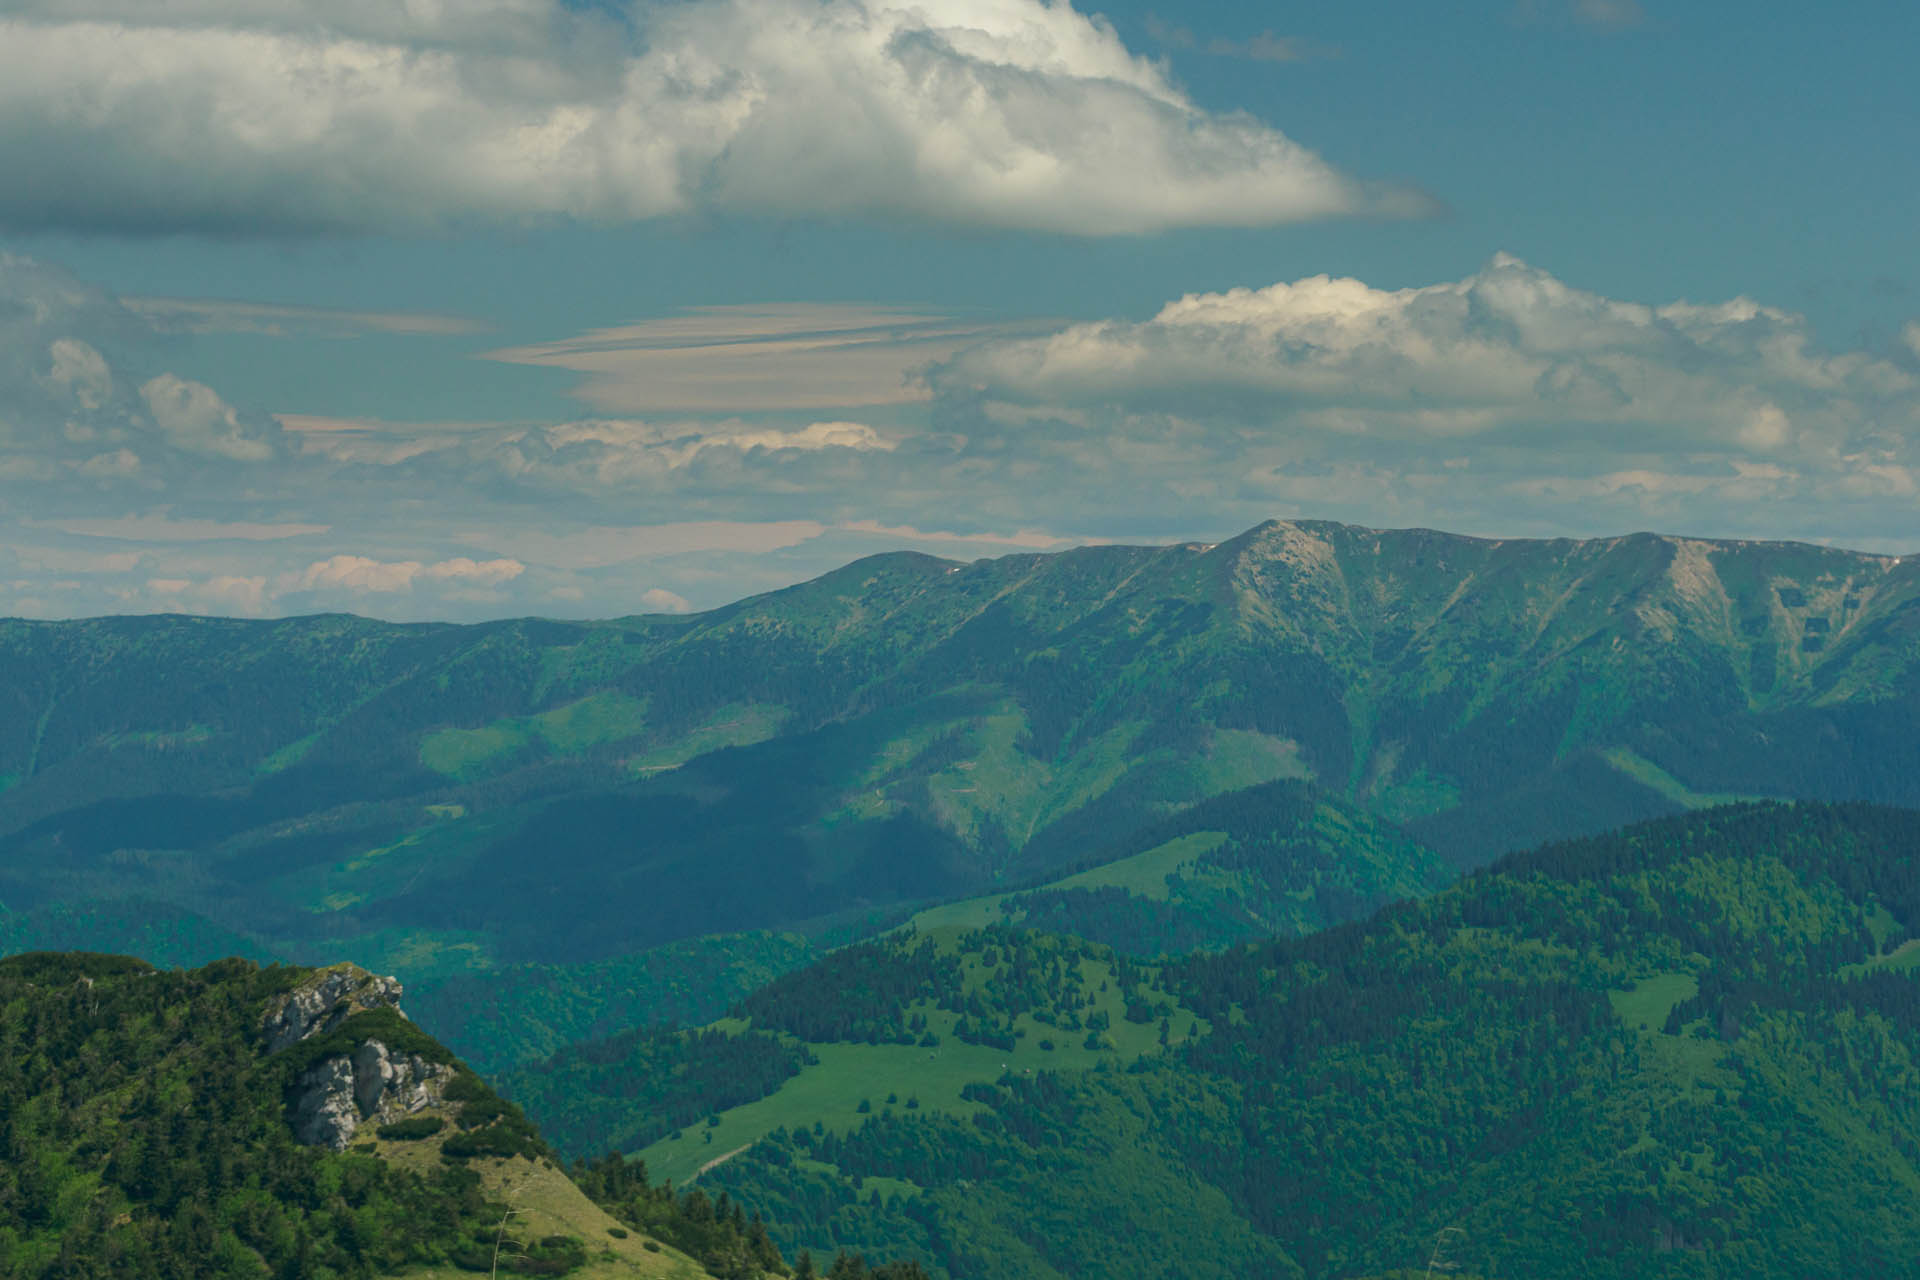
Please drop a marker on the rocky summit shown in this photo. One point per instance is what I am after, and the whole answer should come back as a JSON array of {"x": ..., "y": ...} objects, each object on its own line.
[{"x": 337, "y": 1093}]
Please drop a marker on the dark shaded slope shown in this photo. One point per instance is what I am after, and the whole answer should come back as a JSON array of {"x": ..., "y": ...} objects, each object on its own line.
[{"x": 1278, "y": 858}]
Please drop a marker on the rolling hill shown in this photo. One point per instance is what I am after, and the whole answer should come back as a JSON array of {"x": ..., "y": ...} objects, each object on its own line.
[{"x": 1685, "y": 1049}]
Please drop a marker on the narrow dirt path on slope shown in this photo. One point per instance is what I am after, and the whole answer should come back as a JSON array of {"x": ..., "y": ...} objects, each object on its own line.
[{"x": 716, "y": 1162}]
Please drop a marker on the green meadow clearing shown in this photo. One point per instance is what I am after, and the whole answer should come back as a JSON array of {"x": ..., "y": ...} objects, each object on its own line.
[{"x": 896, "y": 1077}]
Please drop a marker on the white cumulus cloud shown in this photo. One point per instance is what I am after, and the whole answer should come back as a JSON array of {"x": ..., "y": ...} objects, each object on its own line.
[
  {"x": 359, "y": 573},
  {"x": 80, "y": 372},
  {"x": 243, "y": 595},
  {"x": 193, "y": 417},
  {"x": 318, "y": 116},
  {"x": 660, "y": 600},
  {"x": 679, "y": 444},
  {"x": 72, "y": 404},
  {"x": 383, "y": 577},
  {"x": 485, "y": 573},
  {"x": 1509, "y": 353},
  {"x": 623, "y": 455}
]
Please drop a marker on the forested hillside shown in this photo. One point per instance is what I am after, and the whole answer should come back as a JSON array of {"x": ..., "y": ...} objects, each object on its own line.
[
  {"x": 1636, "y": 1055},
  {"x": 509, "y": 806},
  {"x": 242, "y": 1123}
]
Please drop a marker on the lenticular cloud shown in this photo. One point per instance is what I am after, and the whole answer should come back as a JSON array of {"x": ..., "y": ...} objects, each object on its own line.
[{"x": 303, "y": 116}]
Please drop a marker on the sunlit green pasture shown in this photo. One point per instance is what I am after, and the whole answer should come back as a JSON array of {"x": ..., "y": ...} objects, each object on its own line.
[
  {"x": 1647, "y": 1002},
  {"x": 602, "y": 717},
  {"x": 830, "y": 1092},
  {"x": 1144, "y": 874}
]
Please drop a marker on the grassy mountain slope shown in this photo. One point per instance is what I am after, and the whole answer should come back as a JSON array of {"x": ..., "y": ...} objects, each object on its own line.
[
  {"x": 888, "y": 1040},
  {"x": 1280, "y": 858},
  {"x": 1637, "y": 1055},
  {"x": 436, "y": 799},
  {"x": 899, "y": 1024},
  {"x": 147, "y": 1128}
]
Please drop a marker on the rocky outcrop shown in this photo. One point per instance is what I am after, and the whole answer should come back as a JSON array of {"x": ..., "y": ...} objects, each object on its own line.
[
  {"x": 324, "y": 1113},
  {"x": 339, "y": 1093},
  {"x": 326, "y": 1000},
  {"x": 371, "y": 1083},
  {"x": 389, "y": 1085}
]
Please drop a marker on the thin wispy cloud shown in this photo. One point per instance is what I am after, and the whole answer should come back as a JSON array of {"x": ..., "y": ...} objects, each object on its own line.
[
  {"x": 281, "y": 320},
  {"x": 1262, "y": 47},
  {"x": 1600, "y": 15},
  {"x": 160, "y": 527},
  {"x": 1022, "y": 540},
  {"x": 742, "y": 358},
  {"x": 601, "y": 546},
  {"x": 1611, "y": 14}
]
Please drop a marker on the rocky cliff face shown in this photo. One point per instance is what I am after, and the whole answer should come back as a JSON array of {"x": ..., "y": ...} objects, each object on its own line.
[
  {"x": 372, "y": 1083},
  {"x": 329, "y": 998}
]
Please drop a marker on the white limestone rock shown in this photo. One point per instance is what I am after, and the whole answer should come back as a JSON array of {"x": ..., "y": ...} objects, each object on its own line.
[
  {"x": 389, "y": 1086},
  {"x": 323, "y": 1110},
  {"x": 331, "y": 997},
  {"x": 337, "y": 1094},
  {"x": 341, "y": 1092}
]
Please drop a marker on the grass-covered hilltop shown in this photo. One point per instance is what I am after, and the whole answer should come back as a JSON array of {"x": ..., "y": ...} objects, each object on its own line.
[
  {"x": 1689, "y": 1049},
  {"x": 239, "y": 1123},
  {"x": 502, "y": 813}
]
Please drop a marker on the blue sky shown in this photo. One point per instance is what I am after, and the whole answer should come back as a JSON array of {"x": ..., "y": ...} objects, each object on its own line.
[{"x": 485, "y": 307}]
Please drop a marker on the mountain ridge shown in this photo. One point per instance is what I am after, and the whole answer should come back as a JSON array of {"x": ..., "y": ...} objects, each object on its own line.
[
  {"x": 906, "y": 557},
  {"x": 906, "y": 730}
]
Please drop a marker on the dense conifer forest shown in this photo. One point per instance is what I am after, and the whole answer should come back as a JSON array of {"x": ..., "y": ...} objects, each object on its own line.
[
  {"x": 145, "y": 1136},
  {"x": 1632, "y": 1055},
  {"x": 622, "y": 1093}
]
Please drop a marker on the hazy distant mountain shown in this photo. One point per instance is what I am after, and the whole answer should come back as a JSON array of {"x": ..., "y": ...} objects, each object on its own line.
[{"x": 444, "y": 800}]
